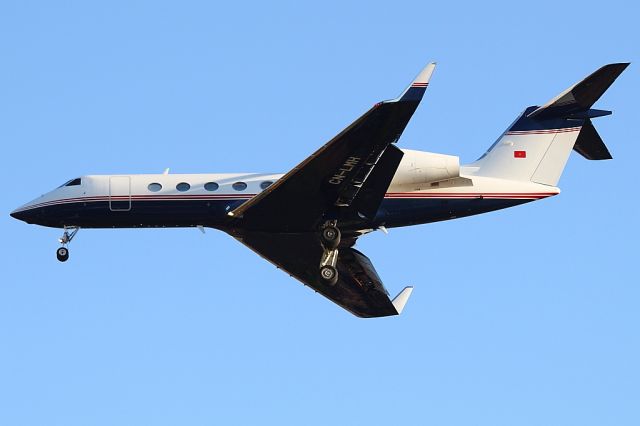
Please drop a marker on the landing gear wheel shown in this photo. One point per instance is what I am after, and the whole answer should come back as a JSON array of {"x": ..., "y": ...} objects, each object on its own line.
[
  {"x": 330, "y": 237},
  {"x": 62, "y": 254},
  {"x": 329, "y": 274}
]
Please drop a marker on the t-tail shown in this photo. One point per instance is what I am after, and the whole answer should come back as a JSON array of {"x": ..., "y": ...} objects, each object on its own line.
[{"x": 537, "y": 145}]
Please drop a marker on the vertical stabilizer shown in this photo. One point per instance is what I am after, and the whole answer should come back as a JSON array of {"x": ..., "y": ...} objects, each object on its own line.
[{"x": 537, "y": 145}]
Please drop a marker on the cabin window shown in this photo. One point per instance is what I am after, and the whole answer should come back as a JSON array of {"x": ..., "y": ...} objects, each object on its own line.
[
  {"x": 72, "y": 182},
  {"x": 239, "y": 186},
  {"x": 211, "y": 186},
  {"x": 154, "y": 187},
  {"x": 183, "y": 186},
  {"x": 266, "y": 184}
]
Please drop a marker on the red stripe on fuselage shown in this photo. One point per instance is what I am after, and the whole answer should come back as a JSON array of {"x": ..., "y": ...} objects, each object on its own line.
[{"x": 232, "y": 197}]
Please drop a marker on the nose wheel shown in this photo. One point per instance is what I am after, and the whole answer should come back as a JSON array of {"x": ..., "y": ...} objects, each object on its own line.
[{"x": 63, "y": 252}]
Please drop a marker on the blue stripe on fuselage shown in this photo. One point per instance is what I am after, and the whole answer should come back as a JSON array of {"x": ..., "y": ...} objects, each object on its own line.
[{"x": 393, "y": 212}]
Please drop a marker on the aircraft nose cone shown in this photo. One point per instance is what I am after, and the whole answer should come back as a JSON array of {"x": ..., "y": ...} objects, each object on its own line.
[{"x": 20, "y": 215}]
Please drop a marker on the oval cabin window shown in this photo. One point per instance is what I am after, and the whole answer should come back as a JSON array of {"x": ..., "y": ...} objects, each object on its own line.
[
  {"x": 239, "y": 186},
  {"x": 266, "y": 184},
  {"x": 211, "y": 186},
  {"x": 154, "y": 187},
  {"x": 183, "y": 186}
]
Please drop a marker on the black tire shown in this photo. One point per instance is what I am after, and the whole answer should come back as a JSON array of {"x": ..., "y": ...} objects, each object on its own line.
[
  {"x": 330, "y": 236},
  {"x": 62, "y": 254},
  {"x": 329, "y": 275}
]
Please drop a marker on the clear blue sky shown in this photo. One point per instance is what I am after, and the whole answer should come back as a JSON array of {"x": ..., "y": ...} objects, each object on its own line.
[{"x": 528, "y": 316}]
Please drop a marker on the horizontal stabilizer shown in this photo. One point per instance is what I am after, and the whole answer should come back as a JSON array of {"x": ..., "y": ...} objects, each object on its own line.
[
  {"x": 401, "y": 299},
  {"x": 581, "y": 96},
  {"x": 590, "y": 113},
  {"x": 590, "y": 145}
]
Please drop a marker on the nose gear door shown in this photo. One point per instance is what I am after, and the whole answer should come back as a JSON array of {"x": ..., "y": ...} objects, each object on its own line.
[{"x": 119, "y": 193}]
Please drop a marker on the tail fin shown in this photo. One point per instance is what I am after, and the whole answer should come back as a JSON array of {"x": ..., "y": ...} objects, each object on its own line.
[{"x": 537, "y": 145}]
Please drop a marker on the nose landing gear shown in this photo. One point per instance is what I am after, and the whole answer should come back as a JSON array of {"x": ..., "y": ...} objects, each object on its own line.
[{"x": 63, "y": 252}]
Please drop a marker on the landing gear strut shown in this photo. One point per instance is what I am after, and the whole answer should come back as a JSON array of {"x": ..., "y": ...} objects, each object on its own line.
[
  {"x": 328, "y": 271},
  {"x": 63, "y": 252},
  {"x": 330, "y": 239}
]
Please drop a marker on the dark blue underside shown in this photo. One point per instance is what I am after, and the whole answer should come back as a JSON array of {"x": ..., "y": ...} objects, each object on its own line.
[{"x": 213, "y": 213}]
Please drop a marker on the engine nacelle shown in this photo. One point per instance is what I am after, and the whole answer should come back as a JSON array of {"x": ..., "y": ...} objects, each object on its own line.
[{"x": 418, "y": 167}]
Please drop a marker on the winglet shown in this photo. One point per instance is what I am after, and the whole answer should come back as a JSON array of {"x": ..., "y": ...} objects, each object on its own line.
[
  {"x": 401, "y": 299},
  {"x": 417, "y": 88}
]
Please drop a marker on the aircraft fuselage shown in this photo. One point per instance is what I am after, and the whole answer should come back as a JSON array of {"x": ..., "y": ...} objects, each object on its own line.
[{"x": 189, "y": 200}]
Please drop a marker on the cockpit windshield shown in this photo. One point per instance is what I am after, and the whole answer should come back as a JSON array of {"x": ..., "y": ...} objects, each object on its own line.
[{"x": 72, "y": 182}]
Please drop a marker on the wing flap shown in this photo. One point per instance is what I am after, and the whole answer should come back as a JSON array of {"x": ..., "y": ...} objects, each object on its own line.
[{"x": 370, "y": 197}]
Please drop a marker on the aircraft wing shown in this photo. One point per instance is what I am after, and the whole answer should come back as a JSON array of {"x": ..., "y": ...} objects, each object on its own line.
[
  {"x": 339, "y": 174},
  {"x": 351, "y": 174},
  {"x": 359, "y": 288}
]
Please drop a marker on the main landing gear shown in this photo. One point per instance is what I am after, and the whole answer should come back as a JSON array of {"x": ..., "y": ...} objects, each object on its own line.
[
  {"x": 330, "y": 239},
  {"x": 63, "y": 252}
]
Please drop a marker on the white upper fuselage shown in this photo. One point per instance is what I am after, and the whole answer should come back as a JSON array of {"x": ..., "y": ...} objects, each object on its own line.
[{"x": 420, "y": 176}]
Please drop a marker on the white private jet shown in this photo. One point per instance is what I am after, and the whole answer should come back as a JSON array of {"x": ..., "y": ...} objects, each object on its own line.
[{"x": 307, "y": 221}]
